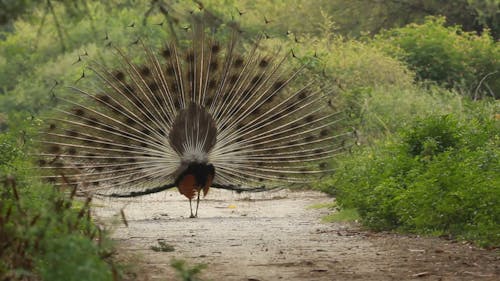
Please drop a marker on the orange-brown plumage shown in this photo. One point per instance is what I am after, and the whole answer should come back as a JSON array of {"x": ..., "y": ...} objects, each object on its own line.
[{"x": 187, "y": 186}]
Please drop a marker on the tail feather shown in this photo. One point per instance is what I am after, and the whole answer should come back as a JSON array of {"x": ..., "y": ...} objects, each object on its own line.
[{"x": 199, "y": 100}]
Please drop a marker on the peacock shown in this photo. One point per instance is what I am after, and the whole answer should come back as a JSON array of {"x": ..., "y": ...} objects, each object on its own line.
[{"x": 194, "y": 114}]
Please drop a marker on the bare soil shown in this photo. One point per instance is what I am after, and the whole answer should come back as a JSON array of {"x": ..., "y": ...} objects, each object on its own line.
[{"x": 277, "y": 236}]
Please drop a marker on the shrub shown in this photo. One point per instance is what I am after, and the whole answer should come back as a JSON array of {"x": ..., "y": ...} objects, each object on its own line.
[
  {"x": 447, "y": 55},
  {"x": 432, "y": 135},
  {"x": 44, "y": 233},
  {"x": 438, "y": 176},
  {"x": 381, "y": 111},
  {"x": 351, "y": 64}
]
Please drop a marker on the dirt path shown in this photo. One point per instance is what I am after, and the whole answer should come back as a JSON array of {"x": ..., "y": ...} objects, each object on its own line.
[{"x": 275, "y": 236}]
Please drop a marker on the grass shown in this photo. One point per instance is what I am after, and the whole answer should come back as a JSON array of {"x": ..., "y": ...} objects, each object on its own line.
[
  {"x": 337, "y": 215},
  {"x": 342, "y": 215},
  {"x": 329, "y": 205},
  {"x": 162, "y": 247}
]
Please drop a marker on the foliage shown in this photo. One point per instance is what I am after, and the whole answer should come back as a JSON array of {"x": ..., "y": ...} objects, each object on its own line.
[
  {"x": 447, "y": 55},
  {"x": 36, "y": 63},
  {"x": 381, "y": 111},
  {"x": 44, "y": 232},
  {"x": 355, "y": 18},
  {"x": 185, "y": 272},
  {"x": 9, "y": 10},
  {"x": 438, "y": 176},
  {"x": 342, "y": 215}
]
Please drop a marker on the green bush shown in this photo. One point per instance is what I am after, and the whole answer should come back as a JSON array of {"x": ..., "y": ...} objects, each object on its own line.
[
  {"x": 44, "y": 233},
  {"x": 447, "y": 55},
  {"x": 72, "y": 258},
  {"x": 32, "y": 57},
  {"x": 438, "y": 176},
  {"x": 432, "y": 135},
  {"x": 381, "y": 111}
]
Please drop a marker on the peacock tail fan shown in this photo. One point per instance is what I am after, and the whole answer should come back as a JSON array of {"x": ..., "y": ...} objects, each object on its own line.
[{"x": 206, "y": 99}]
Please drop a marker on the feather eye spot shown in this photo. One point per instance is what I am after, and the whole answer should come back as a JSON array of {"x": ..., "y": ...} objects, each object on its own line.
[
  {"x": 52, "y": 126},
  {"x": 153, "y": 86},
  {"x": 128, "y": 90},
  {"x": 323, "y": 165},
  {"x": 302, "y": 95},
  {"x": 129, "y": 121},
  {"x": 309, "y": 138},
  {"x": 270, "y": 98},
  {"x": 215, "y": 48},
  {"x": 78, "y": 111},
  {"x": 89, "y": 140},
  {"x": 238, "y": 62},
  {"x": 309, "y": 118},
  {"x": 214, "y": 65},
  {"x": 42, "y": 162},
  {"x": 209, "y": 101},
  {"x": 166, "y": 53},
  {"x": 72, "y": 133},
  {"x": 278, "y": 85},
  {"x": 119, "y": 75},
  {"x": 92, "y": 121},
  {"x": 289, "y": 109},
  {"x": 190, "y": 57},
  {"x": 170, "y": 71},
  {"x": 233, "y": 78},
  {"x": 256, "y": 111},
  {"x": 294, "y": 126},
  {"x": 240, "y": 126},
  {"x": 54, "y": 149},
  {"x": 263, "y": 63},
  {"x": 212, "y": 84},
  {"x": 71, "y": 151},
  {"x": 324, "y": 133},
  {"x": 117, "y": 108},
  {"x": 256, "y": 79},
  {"x": 177, "y": 104},
  {"x": 103, "y": 98},
  {"x": 145, "y": 71}
]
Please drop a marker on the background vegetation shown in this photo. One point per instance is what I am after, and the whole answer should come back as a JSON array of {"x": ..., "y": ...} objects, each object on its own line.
[{"x": 420, "y": 91}]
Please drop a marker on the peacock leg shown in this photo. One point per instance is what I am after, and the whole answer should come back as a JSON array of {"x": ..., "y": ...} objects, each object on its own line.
[
  {"x": 191, "y": 209},
  {"x": 197, "y": 203}
]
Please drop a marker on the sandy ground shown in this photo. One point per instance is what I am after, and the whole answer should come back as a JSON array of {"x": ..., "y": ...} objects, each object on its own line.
[{"x": 277, "y": 236}]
